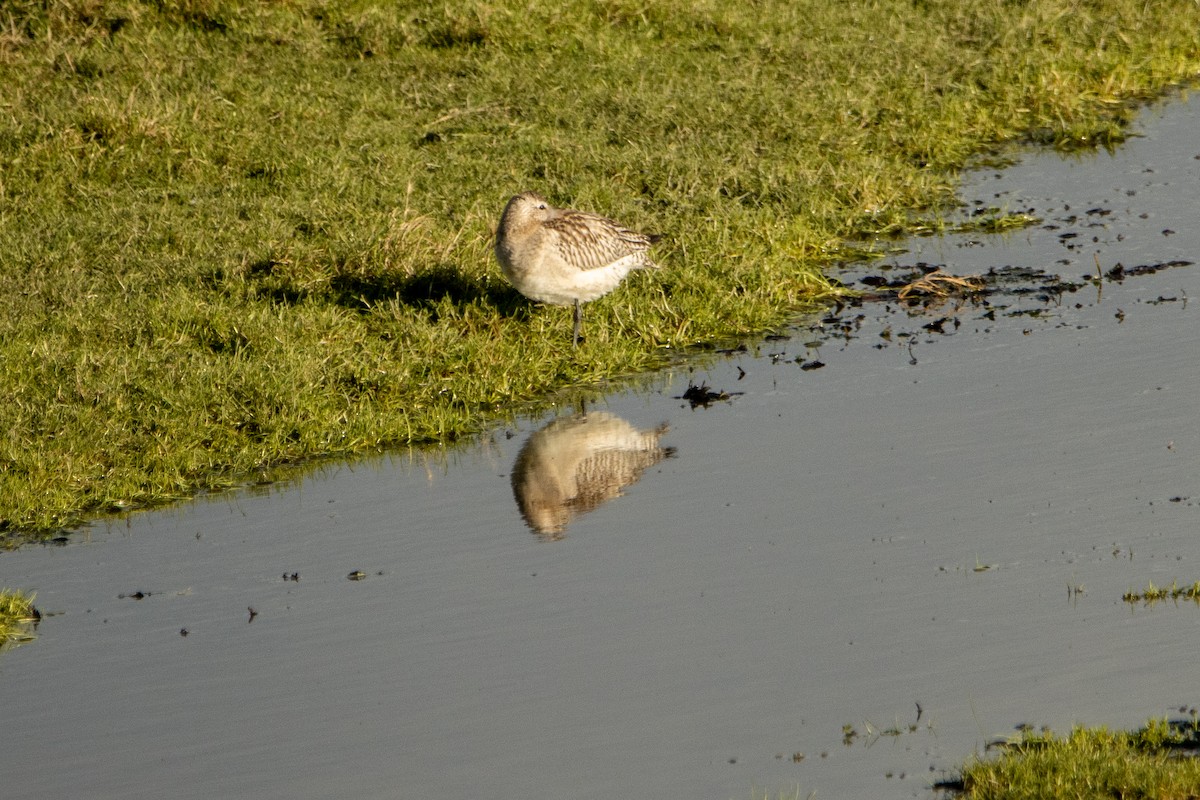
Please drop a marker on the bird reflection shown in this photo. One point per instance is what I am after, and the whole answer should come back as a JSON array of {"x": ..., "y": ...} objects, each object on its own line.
[{"x": 576, "y": 463}]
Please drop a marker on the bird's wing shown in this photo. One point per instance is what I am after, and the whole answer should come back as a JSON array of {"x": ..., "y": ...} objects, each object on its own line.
[{"x": 589, "y": 241}]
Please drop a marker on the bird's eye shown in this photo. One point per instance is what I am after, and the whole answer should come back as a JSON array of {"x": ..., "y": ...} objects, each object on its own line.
[{"x": 542, "y": 206}]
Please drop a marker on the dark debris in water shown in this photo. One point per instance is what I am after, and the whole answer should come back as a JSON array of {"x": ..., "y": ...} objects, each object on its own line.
[
  {"x": 951, "y": 785},
  {"x": 928, "y": 285},
  {"x": 936, "y": 300},
  {"x": 1120, "y": 272},
  {"x": 939, "y": 324},
  {"x": 703, "y": 396},
  {"x": 880, "y": 282}
]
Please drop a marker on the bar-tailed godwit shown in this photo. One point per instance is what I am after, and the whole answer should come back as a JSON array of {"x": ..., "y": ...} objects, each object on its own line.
[{"x": 563, "y": 257}]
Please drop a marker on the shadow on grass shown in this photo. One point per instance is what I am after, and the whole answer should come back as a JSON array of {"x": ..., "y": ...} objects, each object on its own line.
[
  {"x": 428, "y": 290},
  {"x": 360, "y": 291}
]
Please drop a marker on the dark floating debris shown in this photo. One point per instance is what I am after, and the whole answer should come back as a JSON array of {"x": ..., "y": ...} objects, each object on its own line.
[
  {"x": 357, "y": 575},
  {"x": 880, "y": 282},
  {"x": 941, "y": 284},
  {"x": 703, "y": 396},
  {"x": 1120, "y": 272},
  {"x": 926, "y": 286},
  {"x": 810, "y": 365},
  {"x": 139, "y": 595},
  {"x": 926, "y": 281},
  {"x": 938, "y": 325},
  {"x": 1008, "y": 280}
]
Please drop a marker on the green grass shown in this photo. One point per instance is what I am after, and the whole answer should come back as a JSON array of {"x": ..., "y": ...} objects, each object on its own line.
[
  {"x": 1155, "y": 763},
  {"x": 238, "y": 235},
  {"x": 1154, "y": 594},
  {"x": 16, "y": 615}
]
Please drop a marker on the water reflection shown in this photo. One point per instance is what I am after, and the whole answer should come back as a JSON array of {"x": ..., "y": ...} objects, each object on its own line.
[{"x": 576, "y": 463}]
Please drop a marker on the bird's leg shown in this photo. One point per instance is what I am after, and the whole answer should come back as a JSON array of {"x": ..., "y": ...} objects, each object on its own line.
[{"x": 578, "y": 321}]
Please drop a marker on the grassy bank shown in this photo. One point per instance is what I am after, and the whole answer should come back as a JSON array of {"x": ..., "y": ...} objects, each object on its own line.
[
  {"x": 235, "y": 235},
  {"x": 1156, "y": 763},
  {"x": 16, "y": 615}
]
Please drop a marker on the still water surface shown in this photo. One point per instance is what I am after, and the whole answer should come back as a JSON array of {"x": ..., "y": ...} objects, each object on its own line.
[{"x": 889, "y": 543}]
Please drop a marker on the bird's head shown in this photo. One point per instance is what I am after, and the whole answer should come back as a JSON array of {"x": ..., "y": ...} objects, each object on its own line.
[{"x": 527, "y": 208}]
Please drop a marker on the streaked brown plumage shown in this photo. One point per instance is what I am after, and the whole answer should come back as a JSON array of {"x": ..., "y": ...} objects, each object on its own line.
[{"x": 564, "y": 257}]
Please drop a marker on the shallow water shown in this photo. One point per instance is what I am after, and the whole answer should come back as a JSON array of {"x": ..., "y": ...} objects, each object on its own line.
[{"x": 888, "y": 543}]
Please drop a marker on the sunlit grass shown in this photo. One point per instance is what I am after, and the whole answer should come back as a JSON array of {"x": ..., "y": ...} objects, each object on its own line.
[
  {"x": 16, "y": 617},
  {"x": 1091, "y": 764},
  {"x": 1153, "y": 594},
  {"x": 235, "y": 235}
]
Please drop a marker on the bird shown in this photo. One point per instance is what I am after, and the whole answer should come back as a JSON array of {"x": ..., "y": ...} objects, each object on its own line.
[{"x": 562, "y": 256}]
